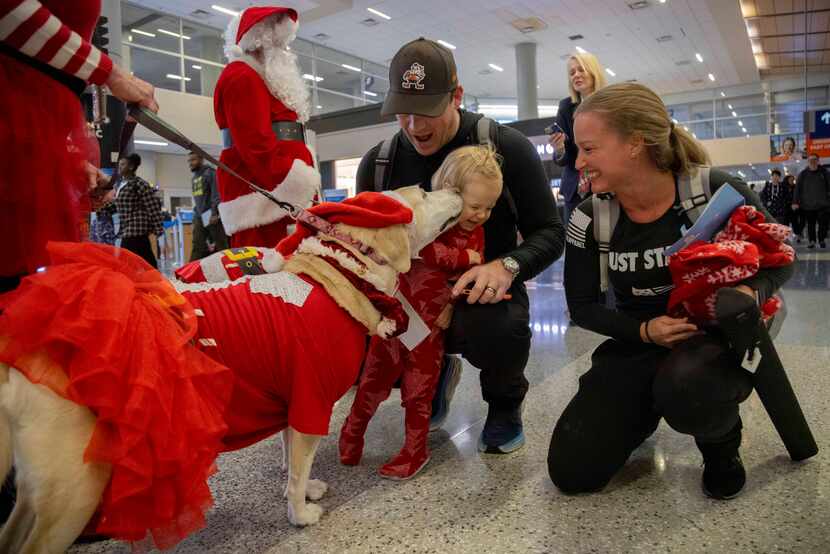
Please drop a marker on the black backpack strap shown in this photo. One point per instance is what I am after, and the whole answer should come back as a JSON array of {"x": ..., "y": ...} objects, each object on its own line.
[
  {"x": 487, "y": 135},
  {"x": 383, "y": 162}
]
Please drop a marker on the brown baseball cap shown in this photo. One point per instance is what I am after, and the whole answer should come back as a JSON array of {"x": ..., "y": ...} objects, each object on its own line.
[{"x": 422, "y": 77}]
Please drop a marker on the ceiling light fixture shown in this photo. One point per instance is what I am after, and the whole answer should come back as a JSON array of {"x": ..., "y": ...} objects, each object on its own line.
[
  {"x": 730, "y": 106},
  {"x": 741, "y": 123},
  {"x": 610, "y": 72},
  {"x": 381, "y": 14},
  {"x": 145, "y": 33},
  {"x": 699, "y": 57},
  {"x": 224, "y": 10},
  {"x": 177, "y": 77},
  {"x": 151, "y": 142},
  {"x": 197, "y": 67},
  {"x": 172, "y": 34},
  {"x": 494, "y": 66},
  {"x": 347, "y": 66},
  {"x": 446, "y": 44},
  {"x": 581, "y": 50},
  {"x": 734, "y": 114},
  {"x": 723, "y": 94},
  {"x": 310, "y": 77},
  {"x": 370, "y": 93},
  {"x": 711, "y": 77}
]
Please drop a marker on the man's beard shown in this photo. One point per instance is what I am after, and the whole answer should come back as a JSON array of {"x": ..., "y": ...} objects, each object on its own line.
[{"x": 282, "y": 75}]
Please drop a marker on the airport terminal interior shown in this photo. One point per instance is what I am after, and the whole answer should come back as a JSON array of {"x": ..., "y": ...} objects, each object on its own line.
[{"x": 748, "y": 79}]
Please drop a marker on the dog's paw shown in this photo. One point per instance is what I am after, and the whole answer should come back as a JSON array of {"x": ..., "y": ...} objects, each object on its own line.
[
  {"x": 316, "y": 489},
  {"x": 309, "y": 514}
]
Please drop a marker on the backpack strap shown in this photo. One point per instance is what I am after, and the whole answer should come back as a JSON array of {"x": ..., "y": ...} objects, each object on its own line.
[
  {"x": 606, "y": 213},
  {"x": 694, "y": 193},
  {"x": 486, "y": 135},
  {"x": 383, "y": 162}
]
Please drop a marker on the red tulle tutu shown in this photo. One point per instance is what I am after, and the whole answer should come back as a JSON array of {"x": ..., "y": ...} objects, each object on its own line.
[
  {"x": 44, "y": 147},
  {"x": 105, "y": 330}
]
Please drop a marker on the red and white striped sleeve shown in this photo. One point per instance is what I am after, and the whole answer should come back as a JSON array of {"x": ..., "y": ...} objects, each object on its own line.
[{"x": 29, "y": 27}]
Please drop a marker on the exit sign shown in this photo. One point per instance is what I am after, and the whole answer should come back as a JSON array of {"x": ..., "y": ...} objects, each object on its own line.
[{"x": 821, "y": 124}]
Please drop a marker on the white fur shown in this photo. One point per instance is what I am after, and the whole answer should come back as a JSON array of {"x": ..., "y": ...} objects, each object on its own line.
[
  {"x": 272, "y": 261},
  {"x": 255, "y": 210},
  {"x": 280, "y": 69}
]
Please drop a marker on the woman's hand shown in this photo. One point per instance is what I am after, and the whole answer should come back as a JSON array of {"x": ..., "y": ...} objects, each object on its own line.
[
  {"x": 130, "y": 88},
  {"x": 558, "y": 141},
  {"x": 667, "y": 331},
  {"x": 491, "y": 283}
]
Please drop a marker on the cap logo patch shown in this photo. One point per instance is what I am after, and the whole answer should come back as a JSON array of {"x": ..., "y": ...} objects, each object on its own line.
[{"x": 413, "y": 76}]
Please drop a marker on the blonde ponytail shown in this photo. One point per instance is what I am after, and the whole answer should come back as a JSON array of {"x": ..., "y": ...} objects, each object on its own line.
[{"x": 632, "y": 109}]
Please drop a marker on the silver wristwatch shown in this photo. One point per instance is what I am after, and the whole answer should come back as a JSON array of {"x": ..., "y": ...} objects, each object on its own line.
[{"x": 512, "y": 265}]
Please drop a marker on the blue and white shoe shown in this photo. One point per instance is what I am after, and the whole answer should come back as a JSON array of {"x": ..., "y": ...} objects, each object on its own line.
[
  {"x": 447, "y": 383},
  {"x": 503, "y": 431}
]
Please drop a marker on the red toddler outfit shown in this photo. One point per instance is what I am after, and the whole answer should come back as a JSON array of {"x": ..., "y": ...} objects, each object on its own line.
[{"x": 426, "y": 287}]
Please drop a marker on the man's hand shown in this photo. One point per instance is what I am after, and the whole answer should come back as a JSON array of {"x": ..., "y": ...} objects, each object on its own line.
[
  {"x": 130, "y": 88},
  {"x": 444, "y": 319},
  {"x": 491, "y": 283},
  {"x": 668, "y": 331}
]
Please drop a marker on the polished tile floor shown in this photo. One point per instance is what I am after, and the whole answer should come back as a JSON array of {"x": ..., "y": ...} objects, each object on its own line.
[{"x": 468, "y": 502}]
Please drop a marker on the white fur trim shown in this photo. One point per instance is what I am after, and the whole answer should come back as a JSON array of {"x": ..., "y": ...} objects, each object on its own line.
[
  {"x": 213, "y": 268},
  {"x": 272, "y": 261},
  {"x": 313, "y": 245},
  {"x": 386, "y": 328},
  {"x": 255, "y": 210}
]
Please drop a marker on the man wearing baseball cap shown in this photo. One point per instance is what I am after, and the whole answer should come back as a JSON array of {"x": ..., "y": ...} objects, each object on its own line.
[{"x": 490, "y": 328}]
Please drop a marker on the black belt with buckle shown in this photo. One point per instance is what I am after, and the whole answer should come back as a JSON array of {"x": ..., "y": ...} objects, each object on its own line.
[{"x": 283, "y": 130}]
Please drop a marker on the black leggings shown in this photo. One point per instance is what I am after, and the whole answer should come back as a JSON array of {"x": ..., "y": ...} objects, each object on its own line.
[
  {"x": 140, "y": 246},
  {"x": 496, "y": 339},
  {"x": 696, "y": 387}
]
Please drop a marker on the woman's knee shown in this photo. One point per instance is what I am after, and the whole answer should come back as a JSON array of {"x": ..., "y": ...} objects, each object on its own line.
[{"x": 572, "y": 468}]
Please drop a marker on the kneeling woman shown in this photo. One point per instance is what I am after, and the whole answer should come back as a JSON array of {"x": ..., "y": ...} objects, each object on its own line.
[{"x": 653, "y": 366}]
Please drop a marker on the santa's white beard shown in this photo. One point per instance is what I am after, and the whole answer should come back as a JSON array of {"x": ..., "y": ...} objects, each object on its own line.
[{"x": 282, "y": 75}]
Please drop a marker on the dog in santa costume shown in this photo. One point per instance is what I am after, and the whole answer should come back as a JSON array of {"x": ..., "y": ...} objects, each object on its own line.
[
  {"x": 260, "y": 104},
  {"x": 118, "y": 390}
]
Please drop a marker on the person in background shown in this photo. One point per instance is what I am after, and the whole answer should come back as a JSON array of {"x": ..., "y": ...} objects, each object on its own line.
[
  {"x": 139, "y": 210},
  {"x": 812, "y": 197},
  {"x": 585, "y": 76},
  {"x": 205, "y": 206},
  {"x": 794, "y": 216},
  {"x": 103, "y": 228},
  {"x": 777, "y": 197}
]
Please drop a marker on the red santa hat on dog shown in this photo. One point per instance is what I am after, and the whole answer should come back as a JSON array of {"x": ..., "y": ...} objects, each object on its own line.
[
  {"x": 239, "y": 40},
  {"x": 368, "y": 209}
]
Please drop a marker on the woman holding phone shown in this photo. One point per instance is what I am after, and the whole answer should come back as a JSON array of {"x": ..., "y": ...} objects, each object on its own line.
[{"x": 585, "y": 76}]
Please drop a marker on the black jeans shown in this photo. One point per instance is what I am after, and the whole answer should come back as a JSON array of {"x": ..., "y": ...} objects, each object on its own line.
[
  {"x": 215, "y": 232},
  {"x": 496, "y": 339},
  {"x": 696, "y": 387},
  {"x": 816, "y": 221},
  {"x": 140, "y": 246}
]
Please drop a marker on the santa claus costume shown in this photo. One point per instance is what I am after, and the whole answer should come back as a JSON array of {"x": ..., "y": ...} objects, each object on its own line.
[
  {"x": 260, "y": 104},
  {"x": 426, "y": 287},
  {"x": 46, "y": 61},
  {"x": 175, "y": 376}
]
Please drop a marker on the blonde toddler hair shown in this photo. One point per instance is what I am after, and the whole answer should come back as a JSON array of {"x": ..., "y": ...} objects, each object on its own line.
[{"x": 464, "y": 162}]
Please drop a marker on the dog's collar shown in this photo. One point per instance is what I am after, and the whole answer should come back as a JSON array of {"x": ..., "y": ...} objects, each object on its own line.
[{"x": 323, "y": 226}]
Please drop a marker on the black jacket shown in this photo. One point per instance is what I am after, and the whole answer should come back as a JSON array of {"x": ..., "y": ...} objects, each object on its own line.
[
  {"x": 570, "y": 176},
  {"x": 538, "y": 220}
]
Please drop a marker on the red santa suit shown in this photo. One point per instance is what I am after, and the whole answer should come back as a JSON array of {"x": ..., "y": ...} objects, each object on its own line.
[
  {"x": 426, "y": 287},
  {"x": 46, "y": 61},
  {"x": 246, "y": 108}
]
